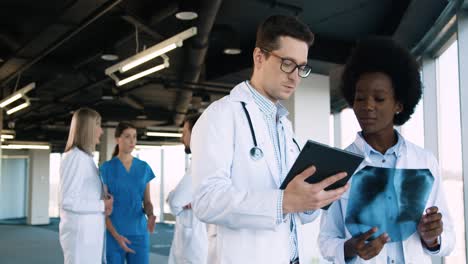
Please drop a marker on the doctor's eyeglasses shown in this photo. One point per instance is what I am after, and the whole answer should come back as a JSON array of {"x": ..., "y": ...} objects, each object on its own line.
[{"x": 288, "y": 65}]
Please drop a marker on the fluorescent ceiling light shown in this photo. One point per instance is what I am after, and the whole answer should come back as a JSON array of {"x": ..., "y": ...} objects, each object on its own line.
[
  {"x": 143, "y": 73},
  {"x": 146, "y": 147},
  {"x": 10, "y": 100},
  {"x": 155, "y": 51},
  {"x": 232, "y": 51},
  {"x": 187, "y": 15},
  {"x": 7, "y": 136},
  {"x": 17, "y": 95},
  {"x": 163, "y": 134},
  {"x": 147, "y": 57},
  {"x": 19, "y": 146},
  {"x": 19, "y": 107}
]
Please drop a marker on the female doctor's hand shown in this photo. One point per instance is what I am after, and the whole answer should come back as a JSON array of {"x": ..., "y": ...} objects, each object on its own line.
[
  {"x": 108, "y": 204},
  {"x": 151, "y": 223},
  {"x": 366, "y": 250},
  {"x": 301, "y": 196},
  {"x": 123, "y": 241},
  {"x": 430, "y": 227}
]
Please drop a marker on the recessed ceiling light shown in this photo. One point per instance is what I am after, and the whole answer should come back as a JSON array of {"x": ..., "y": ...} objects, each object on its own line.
[
  {"x": 107, "y": 97},
  {"x": 109, "y": 57},
  {"x": 186, "y": 15},
  {"x": 232, "y": 51}
]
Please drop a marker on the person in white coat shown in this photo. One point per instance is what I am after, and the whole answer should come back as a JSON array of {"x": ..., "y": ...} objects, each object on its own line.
[
  {"x": 382, "y": 84},
  {"x": 190, "y": 243},
  {"x": 243, "y": 146},
  {"x": 82, "y": 207}
]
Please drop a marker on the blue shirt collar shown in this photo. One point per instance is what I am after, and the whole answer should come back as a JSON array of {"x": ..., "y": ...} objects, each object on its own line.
[
  {"x": 267, "y": 106},
  {"x": 395, "y": 149}
]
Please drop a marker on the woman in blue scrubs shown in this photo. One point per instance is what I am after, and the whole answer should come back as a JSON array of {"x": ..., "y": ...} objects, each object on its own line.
[{"x": 127, "y": 179}]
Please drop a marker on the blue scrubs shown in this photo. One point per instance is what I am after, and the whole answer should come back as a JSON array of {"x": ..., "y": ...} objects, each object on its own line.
[{"x": 128, "y": 217}]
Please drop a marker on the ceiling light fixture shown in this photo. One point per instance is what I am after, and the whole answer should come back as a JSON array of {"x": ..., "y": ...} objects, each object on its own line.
[
  {"x": 19, "y": 107},
  {"x": 157, "y": 50},
  {"x": 26, "y": 144},
  {"x": 186, "y": 15},
  {"x": 145, "y": 72},
  {"x": 163, "y": 134},
  {"x": 7, "y": 136},
  {"x": 109, "y": 57},
  {"x": 21, "y": 146},
  {"x": 17, "y": 95},
  {"x": 232, "y": 51}
]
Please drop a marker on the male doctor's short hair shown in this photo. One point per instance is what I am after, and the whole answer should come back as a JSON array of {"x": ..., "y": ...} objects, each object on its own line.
[
  {"x": 192, "y": 119},
  {"x": 83, "y": 130},
  {"x": 276, "y": 26}
]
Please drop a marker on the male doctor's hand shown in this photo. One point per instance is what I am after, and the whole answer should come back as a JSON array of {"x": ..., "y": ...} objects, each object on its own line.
[
  {"x": 301, "y": 196},
  {"x": 365, "y": 249},
  {"x": 430, "y": 227}
]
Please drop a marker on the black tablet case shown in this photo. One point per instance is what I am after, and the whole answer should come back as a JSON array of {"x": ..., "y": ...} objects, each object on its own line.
[{"x": 327, "y": 160}]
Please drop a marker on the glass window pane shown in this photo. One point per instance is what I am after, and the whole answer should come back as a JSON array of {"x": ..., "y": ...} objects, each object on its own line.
[
  {"x": 152, "y": 156},
  {"x": 450, "y": 145},
  {"x": 349, "y": 127},
  {"x": 413, "y": 129}
]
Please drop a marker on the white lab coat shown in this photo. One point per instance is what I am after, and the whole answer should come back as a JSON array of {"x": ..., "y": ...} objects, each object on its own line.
[
  {"x": 190, "y": 243},
  {"x": 233, "y": 191},
  {"x": 333, "y": 232},
  {"x": 82, "y": 222}
]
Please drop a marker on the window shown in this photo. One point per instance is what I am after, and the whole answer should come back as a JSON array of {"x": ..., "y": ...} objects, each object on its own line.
[{"x": 450, "y": 145}]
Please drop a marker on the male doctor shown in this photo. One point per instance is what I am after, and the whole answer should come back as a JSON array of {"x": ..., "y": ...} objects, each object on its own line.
[
  {"x": 190, "y": 243},
  {"x": 243, "y": 146}
]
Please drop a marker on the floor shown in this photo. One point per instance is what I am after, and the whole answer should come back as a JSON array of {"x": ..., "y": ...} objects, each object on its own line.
[{"x": 20, "y": 243}]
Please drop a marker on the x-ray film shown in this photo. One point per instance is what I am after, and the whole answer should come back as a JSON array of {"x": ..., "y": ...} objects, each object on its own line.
[{"x": 391, "y": 199}]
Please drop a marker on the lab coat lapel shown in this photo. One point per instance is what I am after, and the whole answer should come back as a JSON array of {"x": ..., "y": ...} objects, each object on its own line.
[
  {"x": 241, "y": 93},
  {"x": 264, "y": 140}
]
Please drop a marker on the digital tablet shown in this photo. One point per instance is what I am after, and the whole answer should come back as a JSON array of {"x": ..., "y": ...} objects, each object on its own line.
[{"x": 327, "y": 160}]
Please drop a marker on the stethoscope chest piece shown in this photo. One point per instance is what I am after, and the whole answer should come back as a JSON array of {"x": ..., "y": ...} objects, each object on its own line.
[{"x": 256, "y": 153}]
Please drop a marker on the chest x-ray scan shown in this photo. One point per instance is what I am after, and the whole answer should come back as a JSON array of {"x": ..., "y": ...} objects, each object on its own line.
[{"x": 391, "y": 199}]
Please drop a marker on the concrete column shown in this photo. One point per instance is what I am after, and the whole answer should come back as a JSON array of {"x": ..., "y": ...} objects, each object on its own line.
[
  {"x": 309, "y": 111},
  {"x": 38, "y": 206},
  {"x": 107, "y": 145}
]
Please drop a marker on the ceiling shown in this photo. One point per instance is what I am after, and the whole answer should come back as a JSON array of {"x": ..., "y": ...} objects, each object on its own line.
[{"x": 58, "y": 44}]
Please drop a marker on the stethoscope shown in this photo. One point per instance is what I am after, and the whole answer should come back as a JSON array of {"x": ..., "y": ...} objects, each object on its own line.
[{"x": 255, "y": 152}]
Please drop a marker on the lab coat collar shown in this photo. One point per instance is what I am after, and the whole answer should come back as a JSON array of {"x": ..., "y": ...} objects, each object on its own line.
[{"x": 241, "y": 93}]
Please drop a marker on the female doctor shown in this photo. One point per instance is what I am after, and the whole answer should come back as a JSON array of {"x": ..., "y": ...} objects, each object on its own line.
[
  {"x": 382, "y": 84},
  {"x": 127, "y": 179},
  {"x": 82, "y": 207}
]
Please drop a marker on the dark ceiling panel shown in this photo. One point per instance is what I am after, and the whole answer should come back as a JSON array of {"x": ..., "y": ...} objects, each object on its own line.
[{"x": 71, "y": 74}]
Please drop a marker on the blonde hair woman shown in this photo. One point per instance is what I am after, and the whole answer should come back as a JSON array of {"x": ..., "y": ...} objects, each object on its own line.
[{"x": 82, "y": 207}]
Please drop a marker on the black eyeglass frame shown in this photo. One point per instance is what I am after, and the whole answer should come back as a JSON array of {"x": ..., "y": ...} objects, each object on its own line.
[{"x": 300, "y": 68}]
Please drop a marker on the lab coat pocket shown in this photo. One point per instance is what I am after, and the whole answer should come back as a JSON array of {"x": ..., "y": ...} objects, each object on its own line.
[{"x": 88, "y": 229}]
